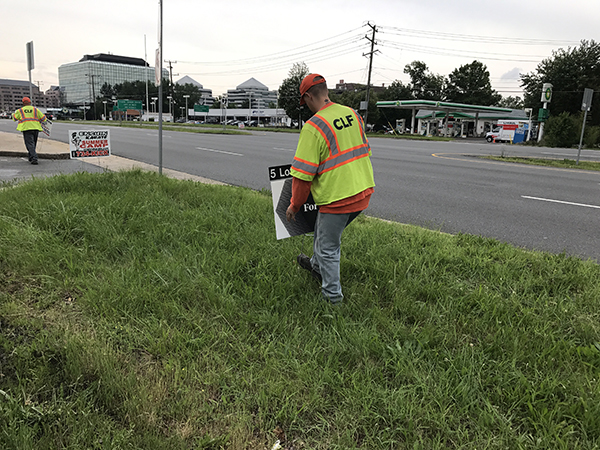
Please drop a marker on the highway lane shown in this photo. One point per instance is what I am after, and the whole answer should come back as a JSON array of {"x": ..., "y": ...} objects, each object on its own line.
[{"x": 438, "y": 185}]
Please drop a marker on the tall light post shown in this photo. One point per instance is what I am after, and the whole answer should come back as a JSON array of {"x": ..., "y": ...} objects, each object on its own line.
[
  {"x": 154, "y": 102},
  {"x": 186, "y": 107},
  {"x": 105, "y": 102}
]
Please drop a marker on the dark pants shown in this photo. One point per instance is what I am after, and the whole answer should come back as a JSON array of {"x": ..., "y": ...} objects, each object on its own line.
[{"x": 30, "y": 137}]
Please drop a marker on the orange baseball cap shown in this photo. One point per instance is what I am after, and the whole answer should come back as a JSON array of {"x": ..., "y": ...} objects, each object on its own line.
[
  {"x": 26, "y": 100},
  {"x": 310, "y": 80}
]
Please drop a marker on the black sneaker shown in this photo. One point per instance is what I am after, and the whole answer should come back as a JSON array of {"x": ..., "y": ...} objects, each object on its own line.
[
  {"x": 34, "y": 162},
  {"x": 304, "y": 262}
]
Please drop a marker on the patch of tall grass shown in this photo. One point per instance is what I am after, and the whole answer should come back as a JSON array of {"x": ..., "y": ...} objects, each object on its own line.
[{"x": 138, "y": 311}]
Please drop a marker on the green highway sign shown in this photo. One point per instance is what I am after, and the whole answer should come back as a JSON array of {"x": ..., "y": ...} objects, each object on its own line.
[
  {"x": 200, "y": 108},
  {"x": 124, "y": 105}
]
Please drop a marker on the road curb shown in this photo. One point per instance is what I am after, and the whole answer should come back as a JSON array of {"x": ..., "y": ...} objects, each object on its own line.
[{"x": 18, "y": 154}]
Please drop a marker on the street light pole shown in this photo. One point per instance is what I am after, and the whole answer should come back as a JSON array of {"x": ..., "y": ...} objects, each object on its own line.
[
  {"x": 105, "y": 102},
  {"x": 186, "y": 107}
]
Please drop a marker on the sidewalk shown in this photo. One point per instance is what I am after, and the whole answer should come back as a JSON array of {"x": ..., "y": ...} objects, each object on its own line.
[{"x": 12, "y": 145}]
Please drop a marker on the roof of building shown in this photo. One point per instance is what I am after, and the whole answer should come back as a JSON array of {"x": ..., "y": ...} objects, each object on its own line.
[
  {"x": 106, "y": 57},
  {"x": 189, "y": 80},
  {"x": 252, "y": 83},
  {"x": 6, "y": 82}
]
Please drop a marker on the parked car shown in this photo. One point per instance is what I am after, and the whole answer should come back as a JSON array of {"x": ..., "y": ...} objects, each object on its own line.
[{"x": 4, "y": 115}]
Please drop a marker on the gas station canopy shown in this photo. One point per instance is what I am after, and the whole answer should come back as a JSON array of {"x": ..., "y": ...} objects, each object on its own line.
[
  {"x": 434, "y": 105},
  {"x": 448, "y": 108}
]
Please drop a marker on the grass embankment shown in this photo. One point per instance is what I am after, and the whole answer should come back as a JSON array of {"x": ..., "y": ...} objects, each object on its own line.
[
  {"x": 548, "y": 162},
  {"x": 143, "y": 312},
  {"x": 229, "y": 129},
  {"x": 188, "y": 128}
]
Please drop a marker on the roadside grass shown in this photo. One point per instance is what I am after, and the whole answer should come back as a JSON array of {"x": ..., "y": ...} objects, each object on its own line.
[
  {"x": 188, "y": 128},
  {"x": 414, "y": 137},
  {"x": 230, "y": 129},
  {"x": 549, "y": 162},
  {"x": 143, "y": 312}
]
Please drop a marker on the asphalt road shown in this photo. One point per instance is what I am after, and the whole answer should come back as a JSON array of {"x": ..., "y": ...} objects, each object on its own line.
[{"x": 438, "y": 185}]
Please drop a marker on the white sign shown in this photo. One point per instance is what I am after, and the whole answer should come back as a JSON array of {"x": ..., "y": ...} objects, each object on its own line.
[
  {"x": 157, "y": 74},
  {"x": 89, "y": 143},
  {"x": 546, "y": 93},
  {"x": 46, "y": 127},
  {"x": 281, "y": 189}
]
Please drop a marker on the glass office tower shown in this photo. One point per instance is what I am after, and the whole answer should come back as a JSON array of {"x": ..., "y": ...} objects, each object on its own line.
[{"x": 83, "y": 80}]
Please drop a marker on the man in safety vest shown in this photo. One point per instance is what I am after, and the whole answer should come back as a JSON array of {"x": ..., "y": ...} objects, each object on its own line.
[
  {"x": 29, "y": 119},
  {"x": 333, "y": 162}
]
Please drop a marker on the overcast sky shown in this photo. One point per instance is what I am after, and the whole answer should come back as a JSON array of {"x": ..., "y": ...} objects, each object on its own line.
[{"x": 221, "y": 44}]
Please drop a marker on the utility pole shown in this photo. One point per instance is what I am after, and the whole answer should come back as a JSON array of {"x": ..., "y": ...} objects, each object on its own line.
[
  {"x": 92, "y": 82},
  {"x": 171, "y": 76},
  {"x": 371, "y": 53},
  {"x": 171, "y": 71}
]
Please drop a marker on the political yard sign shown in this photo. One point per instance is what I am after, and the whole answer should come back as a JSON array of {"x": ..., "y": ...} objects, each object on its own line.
[
  {"x": 87, "y": 144},
  {"x": 281, "y": 189}
]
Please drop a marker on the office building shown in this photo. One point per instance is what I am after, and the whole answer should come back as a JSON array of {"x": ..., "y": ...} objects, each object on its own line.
[
  {"x": 83, "y": 80},
  {"x": 254, "y": 91},
  {"x": 13, "y": 91},
  {"x": 206, "y": 97}
]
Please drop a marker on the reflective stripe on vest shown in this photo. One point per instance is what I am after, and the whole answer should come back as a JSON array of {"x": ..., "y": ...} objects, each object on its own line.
[
  {"x": 28, "y": 119},
  {"x": 336, "y": 157}
]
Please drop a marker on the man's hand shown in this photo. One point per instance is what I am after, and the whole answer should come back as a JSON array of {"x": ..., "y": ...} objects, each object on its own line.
[{"x": 290, "y": 214}]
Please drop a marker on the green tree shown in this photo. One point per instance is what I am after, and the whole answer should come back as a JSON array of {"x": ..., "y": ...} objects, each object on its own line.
[
  {"x": 512, "y": 102},
  {"x": 289, "y": 93},
  {"x": 424, "y": 85},
  {"x": 471, "y": 84},
  {"x": 561, "y": 131},
  {"x": 570, "y": 72},
  {"x": 395, "y": 91}
]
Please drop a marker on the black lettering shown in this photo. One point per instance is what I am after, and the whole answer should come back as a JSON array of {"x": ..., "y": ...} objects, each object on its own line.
[{"x": 335, "y": 124}]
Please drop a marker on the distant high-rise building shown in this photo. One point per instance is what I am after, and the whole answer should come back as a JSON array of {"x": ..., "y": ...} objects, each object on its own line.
[
  {"x": 83, "y": 80},
  {"x": 253, "y": 91}
]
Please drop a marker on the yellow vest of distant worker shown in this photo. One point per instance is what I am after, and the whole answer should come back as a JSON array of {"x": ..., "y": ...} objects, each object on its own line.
[
  {"x": 29, "y": 118},
  {"x": 334, "y": 153}
]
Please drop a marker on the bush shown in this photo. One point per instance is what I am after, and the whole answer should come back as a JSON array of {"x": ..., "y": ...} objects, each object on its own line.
[
  {"x": 591, "y": 138},
  {"x": 561, "y": 131}
]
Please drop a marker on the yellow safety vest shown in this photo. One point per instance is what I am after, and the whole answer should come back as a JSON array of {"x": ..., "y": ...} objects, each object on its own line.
[
  {"x": 29, "y": 118},
  {"x": 334, "y": 153}
]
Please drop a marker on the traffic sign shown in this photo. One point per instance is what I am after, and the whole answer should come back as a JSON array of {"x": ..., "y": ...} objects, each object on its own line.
[
  {"x": 200, "y": 108},
  {"x": 124, "y": 105},
  {"x": 586, "y": 105}
]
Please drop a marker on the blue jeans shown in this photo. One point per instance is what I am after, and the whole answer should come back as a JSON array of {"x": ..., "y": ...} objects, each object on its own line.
[{"x": 326, "y": 251}]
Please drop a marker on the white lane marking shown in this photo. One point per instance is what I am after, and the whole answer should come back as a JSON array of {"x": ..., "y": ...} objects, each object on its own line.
[
  {"x": 219, "y": 151},
  {"x": 285, "y": 149},
  {"x": 560, "y": 201}
]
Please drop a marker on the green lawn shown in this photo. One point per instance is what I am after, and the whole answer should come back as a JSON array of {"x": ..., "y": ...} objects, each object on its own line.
[
  {"x": 563, "y": 163},
  {"x": 141, "y": 312}
]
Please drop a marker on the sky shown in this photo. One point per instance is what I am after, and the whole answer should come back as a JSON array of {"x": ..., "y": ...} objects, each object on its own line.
[{"x": 221, "y": 44}]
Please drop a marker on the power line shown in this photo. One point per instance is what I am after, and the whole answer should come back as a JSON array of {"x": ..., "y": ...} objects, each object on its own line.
[
  {"x": 288, "y": 53},
  {"x": 448, "y": 52},
  {"x": 473, "y": 38}
]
